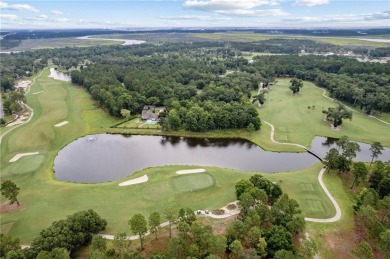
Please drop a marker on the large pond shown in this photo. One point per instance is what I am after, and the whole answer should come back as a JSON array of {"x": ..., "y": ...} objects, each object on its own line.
[{"x": 104, "y": 157}]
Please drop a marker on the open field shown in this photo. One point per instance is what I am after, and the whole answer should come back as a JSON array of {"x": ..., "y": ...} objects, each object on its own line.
[
  {"x": 41, "y": 192},
  {"x": 32, "y": 44},
  {"x": 295, "y": 123},
  {"x": 244, "y": 36}
]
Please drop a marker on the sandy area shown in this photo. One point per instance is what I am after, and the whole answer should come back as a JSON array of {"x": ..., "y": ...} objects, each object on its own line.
[
  {"x": 20, "y": 155},
  {"x": 61, "y": 124},
  {"x": 23, "y": 84},
  {"x": 39, "y": 92},
  {"x": 191, "y": 171},
  {"x": 141, "y": 179}
]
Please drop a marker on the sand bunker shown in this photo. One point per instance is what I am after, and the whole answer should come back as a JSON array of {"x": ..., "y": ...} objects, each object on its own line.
[
  {"x": 20, "y": 155},
  {"x": 141, "y": 179},
  {"x": 39, "y": 92},
  {"x": 191, "y": 171},
  {"x": 61, "y": 124},
  {"x": 24, "y": 84}
]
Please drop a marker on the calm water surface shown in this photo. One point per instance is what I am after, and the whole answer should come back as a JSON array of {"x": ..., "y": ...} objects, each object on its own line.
[{"x": 104, "y": 157}]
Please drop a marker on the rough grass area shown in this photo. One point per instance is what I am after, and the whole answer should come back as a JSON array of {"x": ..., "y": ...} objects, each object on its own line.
[
  {"x": 192, "y": 182},
  {"x": 294, "y": 122}
]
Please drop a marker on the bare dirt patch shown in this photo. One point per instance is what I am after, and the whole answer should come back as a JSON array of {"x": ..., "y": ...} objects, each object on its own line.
[{"x": 9, "y": 208}]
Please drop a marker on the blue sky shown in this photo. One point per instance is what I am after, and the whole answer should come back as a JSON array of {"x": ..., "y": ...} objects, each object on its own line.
[{"x": 54, "y": 14}]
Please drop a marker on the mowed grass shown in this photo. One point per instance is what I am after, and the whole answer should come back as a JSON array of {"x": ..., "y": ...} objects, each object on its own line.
[
  {"x": 294, "y": 122},
  {"x": 192, "y": 182}
]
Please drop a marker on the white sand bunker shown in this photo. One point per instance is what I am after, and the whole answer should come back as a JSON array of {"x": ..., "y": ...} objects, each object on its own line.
[
  {"x": 191, "y": 171},
  {"x": 141, "y": 179},
  {"x": 61, "y": 124},
  {"x": 20, "y": 155},
  {"x": 39, "y": 92}
]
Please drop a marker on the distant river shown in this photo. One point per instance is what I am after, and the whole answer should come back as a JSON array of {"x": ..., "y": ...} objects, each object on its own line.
[
  {"x": 125, "y": 42},
  {"x": 105, "y": 157}
]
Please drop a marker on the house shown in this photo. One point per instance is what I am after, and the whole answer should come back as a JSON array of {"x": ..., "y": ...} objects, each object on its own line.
[{"x": 149, "y": 112}]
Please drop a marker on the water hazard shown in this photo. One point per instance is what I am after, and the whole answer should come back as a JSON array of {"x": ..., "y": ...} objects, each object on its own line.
[{"x": 105, "y": 157}]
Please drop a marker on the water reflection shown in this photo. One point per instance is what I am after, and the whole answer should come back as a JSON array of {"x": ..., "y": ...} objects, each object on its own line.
[{"x": 112, "y": 157}]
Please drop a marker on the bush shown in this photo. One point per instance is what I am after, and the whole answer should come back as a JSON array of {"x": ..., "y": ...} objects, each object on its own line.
[
  {"x": 232, "y": 206},
  {"x": 218, "y": 212}
]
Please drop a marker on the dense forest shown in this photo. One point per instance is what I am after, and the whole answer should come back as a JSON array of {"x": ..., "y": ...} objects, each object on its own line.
[{"x": 189, "y": 78}]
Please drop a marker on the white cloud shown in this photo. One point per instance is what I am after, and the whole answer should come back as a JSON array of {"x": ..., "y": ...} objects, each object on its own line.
[
  {"x": 357, "y": 18},
  {"x": 194, "y": 17},
  {"x": 214, "y": 5},
  {"x": 9, "y": 17},
  {"x": 310, "y": 2},
  {"x": 61, "y": 20},
  {"x": 253, "y": 12},
  {"x": 42, "y": 17},
  {"x": 18, "y": 7},
  {"x": 56, "y": 12},
  {"x": 236, "y": 7}
]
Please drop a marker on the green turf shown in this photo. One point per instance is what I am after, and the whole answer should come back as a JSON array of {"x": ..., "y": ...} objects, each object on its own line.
[
  {"x": 295, "y": 123},
  {"x": 192, "y": 182}
]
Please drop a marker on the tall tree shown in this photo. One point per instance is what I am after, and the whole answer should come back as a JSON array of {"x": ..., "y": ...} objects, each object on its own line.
[
  {"x": 336, "y": 115},
  {"x": 170, "y": 215},
  {"x": 99, "y": 243},
  {"x": 296, "y": 85},
  {"x": 331, "y": 159},
  {"x": 138, "y": 226},
  {"x": 121, "y": 243},
  {"x": 10, "y": 191},
  {"x": 350, "y": 150},
  {"x": 154, "y": 222},
  {"x": 359, "y": 171},
  {"x": 376, "y": 149}
]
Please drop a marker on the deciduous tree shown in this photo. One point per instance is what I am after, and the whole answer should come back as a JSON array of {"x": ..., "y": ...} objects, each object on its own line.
[
  {"x": 138, "y": 226},
  {"x": 10, "y": 191}
]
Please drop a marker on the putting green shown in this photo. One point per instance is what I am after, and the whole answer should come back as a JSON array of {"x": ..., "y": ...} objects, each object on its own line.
[{"x": 192, "y": 182}]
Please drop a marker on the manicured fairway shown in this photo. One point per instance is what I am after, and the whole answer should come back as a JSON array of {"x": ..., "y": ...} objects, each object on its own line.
[{"x": 294, "y": 122}]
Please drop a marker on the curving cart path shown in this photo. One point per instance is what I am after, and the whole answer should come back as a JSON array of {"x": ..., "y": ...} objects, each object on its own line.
[
  {"x": 28, "y": 107},
  {"x": 349, "y": 108},
  {"x": 334, "y": 202}
]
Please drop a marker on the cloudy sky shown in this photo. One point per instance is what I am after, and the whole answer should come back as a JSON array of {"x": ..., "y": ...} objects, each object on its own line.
[{"x": 194, "y": 13}]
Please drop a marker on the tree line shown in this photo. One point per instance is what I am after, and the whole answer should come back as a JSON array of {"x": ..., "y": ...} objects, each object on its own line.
[{"x": 372, "y": 201}]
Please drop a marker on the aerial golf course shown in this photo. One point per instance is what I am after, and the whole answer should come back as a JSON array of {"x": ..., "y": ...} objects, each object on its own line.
[{"x": 44, "y": 199}]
